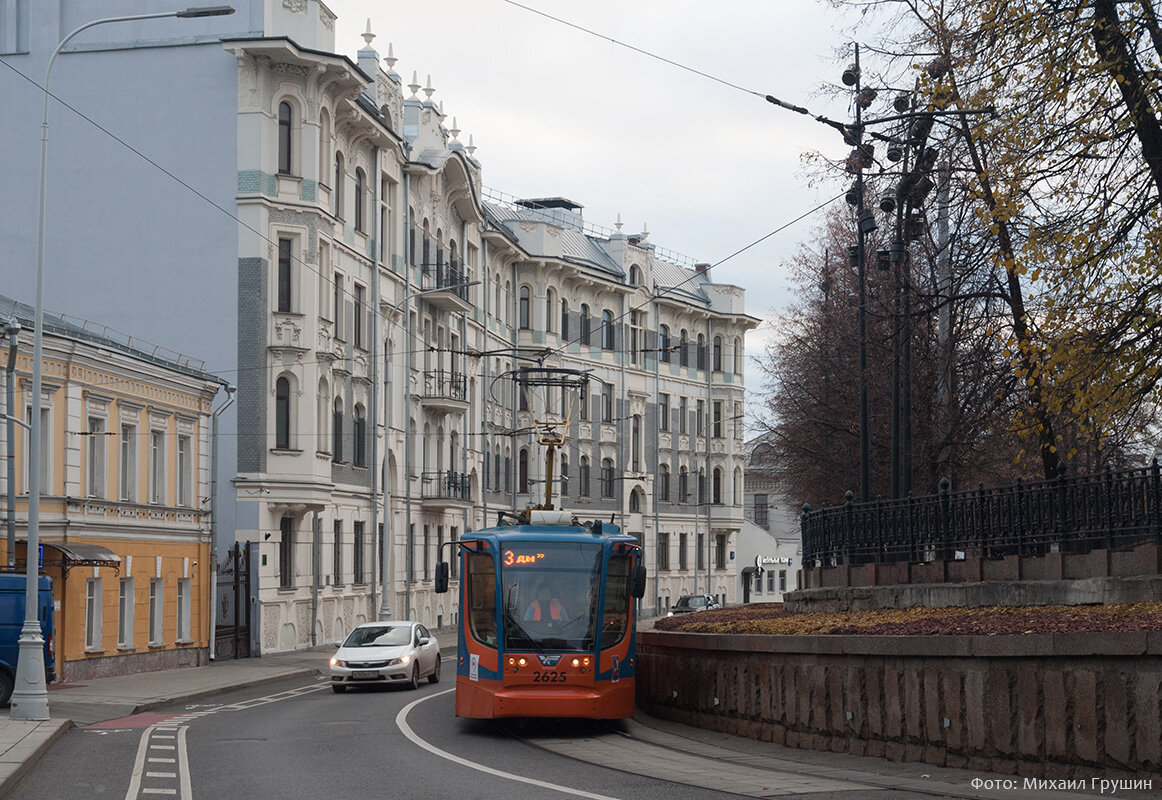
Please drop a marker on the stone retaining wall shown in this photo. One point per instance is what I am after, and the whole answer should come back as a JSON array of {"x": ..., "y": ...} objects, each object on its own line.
[{"x": 1042, "y": 705}]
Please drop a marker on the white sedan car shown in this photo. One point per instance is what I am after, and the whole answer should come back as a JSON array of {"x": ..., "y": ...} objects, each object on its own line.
[{"x": 394, "y": 651}]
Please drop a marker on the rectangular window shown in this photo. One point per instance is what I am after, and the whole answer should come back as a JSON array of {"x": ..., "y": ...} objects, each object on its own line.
[
  {"x": 286, "y": 551},
  {"x": 93, "y": 614},
  {"x": 683, "y": 562},
  {"x": 96, "y": 466},
  {"x": 284, "y": 275},
  {"x": 607, "y": 402},
  {"x": 770, "y": 581},
  {"x": 738, "y": 420},
  {"x": 701, "y": 557},
  {"x": 157, "y": 467},
  {"x": 663, "y": 411},
  {"x": 337, "y": 304},
  {"x": 720, "y": 551},
  {"x": 584, "y": 401},
  {"x": 760, "y": 510},
  {"x": 717, "y": 419},
  {"x": 358, "y": 554},
  {"x": 699, "y": 417},
  {"x": 635, "y": 334},
  {"x": 427, "y": 553},
  {"x": 125, "y": 604},
  {"x": 358, "y": 321},
  {"x": 324, "y": 283},
  {"x": 454, "y": 553},
  {"x": 337, "y": 554},
  {"x": 663, "y": 552},
  {"x": 758, "y": 583},
  {"x": 782, "y": 580},
  {"x": 411, "y": 553},
  {"x": 185, "y": 471},
  {"x": 128, "y": 467},
  {"x": 156, "y": 608},
  {"x": 183, "y": 610},
  {"x": 683, "y": 412}
]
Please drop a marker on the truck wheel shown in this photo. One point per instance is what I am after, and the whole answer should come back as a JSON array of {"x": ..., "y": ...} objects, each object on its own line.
[{"x": 6, "y": 686}]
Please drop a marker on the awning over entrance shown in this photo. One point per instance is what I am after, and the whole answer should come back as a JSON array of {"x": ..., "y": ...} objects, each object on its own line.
[{"x": 81, "y": 554}]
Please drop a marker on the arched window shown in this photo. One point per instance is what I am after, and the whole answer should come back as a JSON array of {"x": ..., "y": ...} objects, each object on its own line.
[
  {"x": 584, "y": 476},
  {"x": 607, "y": 337},
  {"x": 564, "y": 318},
  {"x": 664, "y": 343},
  {"x": 385, "y": 112},
  {"x": 525, "y": 307},
  {"x": 324, "y": 403},
  {"x": 360, "y": 197},
  {"x": 737, "y": 356},
  {"x": 564, "y": 474},
  {"x": 522, "y": 467},
  {"x": 664, "y": 483},
  {"x": 324, "y": 144},
  {"x": 683, "y": 485},
  {"x": 337, "y": 429},
  {"x": 717, "y": 488},
  {"x": 285, "y": 270},
  {"x": 584, "y": 324},
  {"x": 701, "y": 351},
  {"x": 282, "y": 414},
  {"x": 339, "y": 173},
  {"x": 683, "y": 350},
  {"x": 550, "y": 310},
  {"x": 440, "y": 249},
  {"x": 635, "y": 501},
  {"x": 718, "y": 354},
  {"x": 360, "y": 456},
  {"x": 284, "y": 138},
  {"x": 607, "y": 402},
  {"x": 607, "y": 477},
  {"x": 635, "y": 275}
]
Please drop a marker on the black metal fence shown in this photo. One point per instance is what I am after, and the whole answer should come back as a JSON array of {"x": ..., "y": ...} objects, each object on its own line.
[
  {"x": 445, "y": 383},
  {"x": 1075, "y": 514},
  {"x": 446, "y": 485}
]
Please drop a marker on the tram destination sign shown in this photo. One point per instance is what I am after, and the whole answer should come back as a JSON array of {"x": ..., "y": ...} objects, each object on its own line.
[{"x": 514, "y": 558}]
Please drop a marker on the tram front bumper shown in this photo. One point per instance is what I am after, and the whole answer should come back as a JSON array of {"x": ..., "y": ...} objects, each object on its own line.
[{"x": 474, "y": 700}]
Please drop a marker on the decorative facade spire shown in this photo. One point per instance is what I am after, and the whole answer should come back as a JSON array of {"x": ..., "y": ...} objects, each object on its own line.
[
  {"x": 368, "y": 36},
  {"x": 471, "y": 145},
  {"x": 454, "y": 130},
  {"x": 428, "y": 90},
  {"x": 618, "y": 223},
  {"x": 391, "y": 59},
  {"x": 414, "y": 85}
]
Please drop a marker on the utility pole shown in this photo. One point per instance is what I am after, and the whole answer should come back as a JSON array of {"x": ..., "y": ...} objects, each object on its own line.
[{"x": 12, "y": 328}]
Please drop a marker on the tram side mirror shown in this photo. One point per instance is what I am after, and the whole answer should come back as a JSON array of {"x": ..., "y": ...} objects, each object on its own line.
[
  {"x": 637, "y": 581},
  {"x": 442, "y": 577}
]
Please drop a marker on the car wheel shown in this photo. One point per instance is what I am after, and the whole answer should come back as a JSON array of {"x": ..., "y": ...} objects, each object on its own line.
[
  {"x": 415, "y": 682},
  {"x": 338, "y": 688},
  {"x": 6, "y": 686},
  {"x": 435, "y": 676}
]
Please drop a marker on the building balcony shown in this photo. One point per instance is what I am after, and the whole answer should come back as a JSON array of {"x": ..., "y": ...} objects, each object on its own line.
[
  {"x": 445, "y": 489},
  {"x": 443, "y": 285},
  {"x": 724, "y": 516},
  {"x": 444, "y": 390}
]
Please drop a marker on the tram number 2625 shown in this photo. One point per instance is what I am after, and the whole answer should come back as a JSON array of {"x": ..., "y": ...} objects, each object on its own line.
[{"x": 548, "y": 677}]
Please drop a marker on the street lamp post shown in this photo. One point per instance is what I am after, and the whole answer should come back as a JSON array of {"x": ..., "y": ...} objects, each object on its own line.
[
  {"x": 12, "y": 328},
  {"x": 30, "y": 697},
  {"x": 385, "y": 555},
  {"x": 230, "y": 389}
]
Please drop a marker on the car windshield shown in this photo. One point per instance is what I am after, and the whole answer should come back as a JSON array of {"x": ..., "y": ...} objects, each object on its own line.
[
  {"x": 550, "y": 594},
  {"x": 379, "y": 636},
  {"x": 691, "y": 602}
]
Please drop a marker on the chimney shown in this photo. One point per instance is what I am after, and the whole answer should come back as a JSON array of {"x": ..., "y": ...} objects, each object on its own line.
[{"x": 701, "y": 269}]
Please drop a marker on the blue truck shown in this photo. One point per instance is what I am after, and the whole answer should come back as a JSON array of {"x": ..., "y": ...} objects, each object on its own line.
[{"x": 12, "y": 592}]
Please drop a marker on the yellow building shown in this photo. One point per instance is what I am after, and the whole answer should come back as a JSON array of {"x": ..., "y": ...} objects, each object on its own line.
[{"x": 125, "y": 496}]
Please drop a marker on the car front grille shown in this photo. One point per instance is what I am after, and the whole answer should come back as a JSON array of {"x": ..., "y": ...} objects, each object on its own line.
[{"x": 366, "y": 664}]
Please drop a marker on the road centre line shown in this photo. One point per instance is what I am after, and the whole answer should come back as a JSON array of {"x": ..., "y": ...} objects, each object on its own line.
[{"x": 401, "y": 722}]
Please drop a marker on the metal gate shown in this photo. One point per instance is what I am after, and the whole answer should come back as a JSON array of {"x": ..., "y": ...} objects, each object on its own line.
[{"x": 232, "y": 638}]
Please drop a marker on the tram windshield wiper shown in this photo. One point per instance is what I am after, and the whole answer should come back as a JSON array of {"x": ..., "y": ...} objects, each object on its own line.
[{"x": 513, "y": 630}]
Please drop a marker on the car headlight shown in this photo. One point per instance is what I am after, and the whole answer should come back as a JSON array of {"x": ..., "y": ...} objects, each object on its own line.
[
  {"x": 669, "y": 613},
  {"x": 400, "y": 660},
  {"x": 336, "y": 662}
]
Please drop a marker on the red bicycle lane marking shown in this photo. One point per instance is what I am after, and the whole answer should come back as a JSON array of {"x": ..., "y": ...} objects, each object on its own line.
[{"x": 143, "y": 720}]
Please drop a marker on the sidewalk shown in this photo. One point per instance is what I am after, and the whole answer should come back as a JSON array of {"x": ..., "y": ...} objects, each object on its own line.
[{"x": 101, "y": 699}]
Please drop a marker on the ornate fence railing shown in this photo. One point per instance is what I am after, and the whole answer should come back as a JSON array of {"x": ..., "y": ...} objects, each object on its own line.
[{"x": 1112, "y": 509}]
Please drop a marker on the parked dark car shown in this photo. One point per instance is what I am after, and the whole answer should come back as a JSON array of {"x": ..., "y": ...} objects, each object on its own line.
[
  {"x": 12, "y": 588},
  {"x": 693, "y": 602}
]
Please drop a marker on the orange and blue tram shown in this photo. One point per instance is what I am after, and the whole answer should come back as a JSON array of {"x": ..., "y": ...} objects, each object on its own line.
[{"x": 547, "y": 624}]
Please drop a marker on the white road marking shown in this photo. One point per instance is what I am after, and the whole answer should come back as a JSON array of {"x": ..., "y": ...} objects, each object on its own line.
[
  {"x": 161, "y": 774},
  {"x": 163, "y": 760},
  {"x": 184, "y": 766},
  {"x": 401, "y": 721}
]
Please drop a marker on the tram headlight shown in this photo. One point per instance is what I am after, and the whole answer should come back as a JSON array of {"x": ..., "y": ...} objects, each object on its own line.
[
  {"x": 576, "y": 662},
  {"x": 585, "y": 661},
  {"x": 522, "y": 662}
]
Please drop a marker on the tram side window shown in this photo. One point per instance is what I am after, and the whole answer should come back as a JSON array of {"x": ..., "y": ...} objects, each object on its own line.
[
  {"x": 482, "y": 597},
  {"x": 616, "y": 601}
]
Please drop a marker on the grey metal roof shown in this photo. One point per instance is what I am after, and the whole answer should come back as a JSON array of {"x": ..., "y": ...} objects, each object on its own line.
[
  {"x": 104, "y": 336},
  {"x": 681, "y": 282}
]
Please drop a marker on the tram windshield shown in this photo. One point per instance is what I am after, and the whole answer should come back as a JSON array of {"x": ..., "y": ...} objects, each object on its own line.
[{"x": 550, "y": 592}]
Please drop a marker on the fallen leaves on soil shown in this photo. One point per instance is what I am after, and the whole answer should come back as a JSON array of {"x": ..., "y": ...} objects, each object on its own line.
[{"x": 771, "y": 619}]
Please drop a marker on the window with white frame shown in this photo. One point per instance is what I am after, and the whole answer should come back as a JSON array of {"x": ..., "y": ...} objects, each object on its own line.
[
  {"x": 782, "y": 580},
  {"x": 93, "y": 614},
  {"x": 185, "y": 471},
  {"x": 156, "y": 608},
  {"x": 663, "y": 411},
  {"x": 283, "y": 278},
  {"x": 636, "y": 335},
  {"x": 285, "y": 130},
  {"x": 125, "y": 604},
  {"x": 699, "y": 417},
  {"x": 157, "y": 467},
  {"x": 127, "y": 489},
  {"x": 359, "y": 321},
  {"x": 337, "y": 553},
  {"x": 683, "y": 413},
  {"x": 45, "y": 449},
  {"x": 770, "y": 580},
  {"x": 96, "y": 463},
  {"x": 183, "y": 610}
]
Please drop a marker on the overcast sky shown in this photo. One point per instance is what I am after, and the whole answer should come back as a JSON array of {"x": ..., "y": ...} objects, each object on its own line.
[{"x": 555, "y": 111}]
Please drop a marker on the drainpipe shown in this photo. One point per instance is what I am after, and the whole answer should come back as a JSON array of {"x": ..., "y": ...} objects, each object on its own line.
[
  {"x": 315, "y": 556},
  {"x": 214, "y": 518},
  {"x": 624, "y": 418},
  {"x": 658, "y": 437},
  {"x": 13, "y": 329},
  {"x": 373, "y": 412},
  {"x": 484, "y": 387},
  {"x": 407, "y": 421},
  {"x": 512, "y": 398},
  {"x": 707, "y": 429}
]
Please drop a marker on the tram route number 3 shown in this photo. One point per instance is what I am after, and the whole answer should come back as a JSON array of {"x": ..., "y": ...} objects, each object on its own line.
[
  {"x": 548, "y": 677},
  {"x": 515, "y": 559}
]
